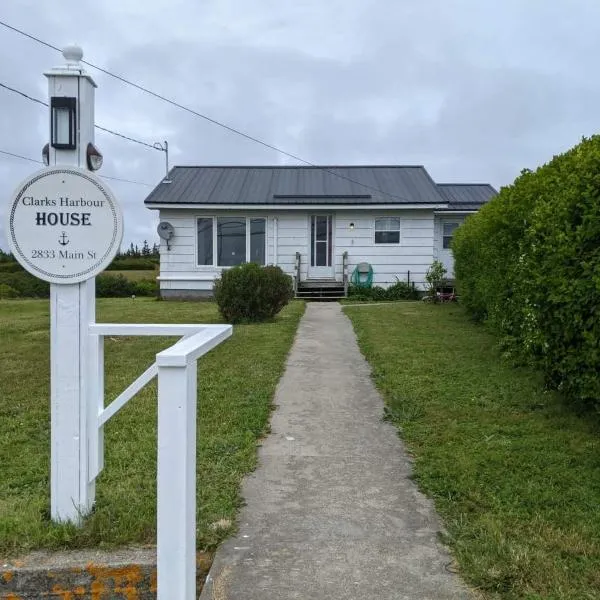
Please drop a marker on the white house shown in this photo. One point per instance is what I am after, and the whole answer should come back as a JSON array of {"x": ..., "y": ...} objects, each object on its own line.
[{"x": 316, "y": 223}]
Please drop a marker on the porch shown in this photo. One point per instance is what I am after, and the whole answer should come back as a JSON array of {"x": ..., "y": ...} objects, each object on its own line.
[{"x": 321, "y": 288}]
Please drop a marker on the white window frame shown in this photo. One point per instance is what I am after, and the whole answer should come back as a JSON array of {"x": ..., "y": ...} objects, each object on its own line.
[
  {"x": 396, "y": 217},
  {"x": 215, "y": 237}
]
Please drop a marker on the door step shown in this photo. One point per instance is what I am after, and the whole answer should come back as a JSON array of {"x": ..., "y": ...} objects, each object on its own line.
[{"x": 320, "y": 290}]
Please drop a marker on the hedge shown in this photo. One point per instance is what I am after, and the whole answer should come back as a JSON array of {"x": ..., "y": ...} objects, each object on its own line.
[
  {"x": 529, "y": 263},
  {"x": 25, "y": 285},
  {"x": 132, "y": 264}
]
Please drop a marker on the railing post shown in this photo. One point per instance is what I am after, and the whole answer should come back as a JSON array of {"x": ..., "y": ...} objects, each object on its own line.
[{"x": 176, "y": 482}]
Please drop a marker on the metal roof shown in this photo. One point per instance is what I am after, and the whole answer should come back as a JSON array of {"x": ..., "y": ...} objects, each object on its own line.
[
  {"x": 466, "y": 196},
  {"x": 308, "y": 185},
  {"x": 297, "y": 185}
]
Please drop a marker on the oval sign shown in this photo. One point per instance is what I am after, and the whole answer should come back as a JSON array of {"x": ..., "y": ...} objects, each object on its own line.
[{"x": 64, "y": 225}]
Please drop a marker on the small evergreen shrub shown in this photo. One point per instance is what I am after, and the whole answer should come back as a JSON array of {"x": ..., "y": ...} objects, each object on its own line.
[{"x": 251, "y": 293}]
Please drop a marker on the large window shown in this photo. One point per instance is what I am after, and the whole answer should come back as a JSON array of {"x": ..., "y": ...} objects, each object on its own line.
[
  {"x": 387, "y": 230},
  {"x": 231, "y": 241},
  {"x": 449, "y": 229}
]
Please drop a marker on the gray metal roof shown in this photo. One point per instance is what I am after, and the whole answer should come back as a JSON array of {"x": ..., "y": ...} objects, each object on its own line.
[
  {"x": 466, "y": 196},
  {"x": 297, "y": 185}
]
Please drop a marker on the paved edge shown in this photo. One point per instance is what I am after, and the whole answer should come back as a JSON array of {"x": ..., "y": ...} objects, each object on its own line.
[{"x": 87, "y": 574}]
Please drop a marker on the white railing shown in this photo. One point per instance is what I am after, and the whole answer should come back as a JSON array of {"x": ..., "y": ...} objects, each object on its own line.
[
  {"x": 345, "y": 272},
  {"x": 297, "y": 272},
  {"x": 176, "y": 472}
]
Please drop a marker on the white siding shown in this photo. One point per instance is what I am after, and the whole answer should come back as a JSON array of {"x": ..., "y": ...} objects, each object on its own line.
[{"x": 414, "y": 253}]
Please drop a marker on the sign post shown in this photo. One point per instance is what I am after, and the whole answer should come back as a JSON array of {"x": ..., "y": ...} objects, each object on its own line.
[{"x": 65, "y": 227}]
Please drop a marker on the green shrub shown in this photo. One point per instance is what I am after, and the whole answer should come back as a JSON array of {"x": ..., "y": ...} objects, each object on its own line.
[
  {"x": 10, "y": 267},
  {"x": 435, "y": 278},
  {"x": 251, "y": 293},
  {"x": 529, "y": 263},
  {"x": 26, "y": 285},
  {"x": 400, "y": 290},
  {"x": 118, "y": 286},
  {"x": 107, "y": 286},
  {"x": 7, "y": 292},
  {"x": 132, "y": 264}
]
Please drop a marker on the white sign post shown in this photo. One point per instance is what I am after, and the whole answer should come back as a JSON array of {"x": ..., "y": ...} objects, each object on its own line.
[{"x": 65, "y": 227}]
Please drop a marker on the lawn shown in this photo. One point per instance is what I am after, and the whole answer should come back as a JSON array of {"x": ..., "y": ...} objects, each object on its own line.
[
  {"x": 236, "y": 386},
  {"x": 514, "y": 474}
]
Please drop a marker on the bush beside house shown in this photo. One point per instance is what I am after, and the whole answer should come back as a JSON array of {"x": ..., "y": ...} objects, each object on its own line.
[
  {"x": 529, "y": 264},
  {"x": 251, "y": 293}
]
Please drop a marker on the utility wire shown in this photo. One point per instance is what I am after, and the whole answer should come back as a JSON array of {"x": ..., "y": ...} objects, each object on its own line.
[
  {"x": 21, "y": 157},
  {"x": 39, "y": 162},
  {"x": 38, "y": 101},
  {"x": 205, "y": 117},
  {"x": 7, "y": 87}
]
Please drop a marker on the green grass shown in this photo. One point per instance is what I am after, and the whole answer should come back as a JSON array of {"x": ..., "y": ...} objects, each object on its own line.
[
  {"x": 236, "y": 386},
  {"x": 513, "y": 472}
]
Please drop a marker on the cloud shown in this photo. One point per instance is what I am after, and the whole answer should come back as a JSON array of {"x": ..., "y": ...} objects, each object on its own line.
[{"x": 473, "y": 90}]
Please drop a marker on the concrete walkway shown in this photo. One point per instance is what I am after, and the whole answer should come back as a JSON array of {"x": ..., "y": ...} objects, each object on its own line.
[{"x": 331, "y": 512}]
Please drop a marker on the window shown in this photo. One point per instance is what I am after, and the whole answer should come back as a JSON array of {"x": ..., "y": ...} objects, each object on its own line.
[
  {"x": 448, "y": 232},
  {"x": 205, "y": 241},
  {"x": 230, "y": 241},
  {"x": 387, "y": 230},
  {"x": 258, "y": 235}
]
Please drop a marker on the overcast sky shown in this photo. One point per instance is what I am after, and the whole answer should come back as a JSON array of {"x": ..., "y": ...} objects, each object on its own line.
[{"x": 475, "y": 90}]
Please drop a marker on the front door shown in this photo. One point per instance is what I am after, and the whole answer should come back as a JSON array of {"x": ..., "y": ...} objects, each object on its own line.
[{"x": 320, "y": 264}]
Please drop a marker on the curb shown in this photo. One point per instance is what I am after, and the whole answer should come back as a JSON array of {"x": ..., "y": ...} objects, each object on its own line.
[{"x": 126, "y": 574}]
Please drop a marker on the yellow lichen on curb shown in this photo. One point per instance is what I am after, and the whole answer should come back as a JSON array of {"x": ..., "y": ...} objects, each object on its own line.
[
  {"x": 121, "y": 580},
  {"x": 7, "y": 576}
]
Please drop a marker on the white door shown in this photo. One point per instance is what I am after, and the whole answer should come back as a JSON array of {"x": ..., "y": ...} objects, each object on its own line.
[
  {"x": 446, "y": 258},
  {"x": 320, "y": 263}
]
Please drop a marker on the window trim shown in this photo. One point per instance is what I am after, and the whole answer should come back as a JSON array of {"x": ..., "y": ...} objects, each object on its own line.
[
  {"x": 399, "y": 230},
  {"x": 215, "y": 218}
]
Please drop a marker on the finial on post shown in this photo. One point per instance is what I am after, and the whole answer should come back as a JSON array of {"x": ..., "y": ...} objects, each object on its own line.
[{"x": 72, "y": 54}]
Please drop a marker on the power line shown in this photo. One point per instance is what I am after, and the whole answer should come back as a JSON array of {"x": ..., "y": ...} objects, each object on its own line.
[
  {"x": 38, "y": 101},
  {"x": 7, "y": 87},
  {"x": 125, "y": 137},
  {"x": 205, "y": 117},
  {"x": 21, "y": 157},
  {"x": 39, "y": 162}
]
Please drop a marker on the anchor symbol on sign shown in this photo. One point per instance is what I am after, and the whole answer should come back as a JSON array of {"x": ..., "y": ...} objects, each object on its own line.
[{"x": 63, "y": 240}]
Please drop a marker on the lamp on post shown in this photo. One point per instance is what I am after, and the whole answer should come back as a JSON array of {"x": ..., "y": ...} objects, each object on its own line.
[{"x": 63, "y": 115}]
